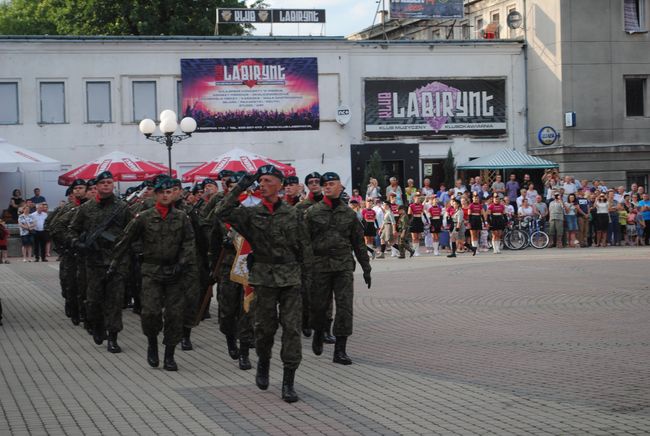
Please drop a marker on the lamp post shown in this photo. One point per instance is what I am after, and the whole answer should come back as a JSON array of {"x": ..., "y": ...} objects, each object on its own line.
[{"x": 168, "y": 126}]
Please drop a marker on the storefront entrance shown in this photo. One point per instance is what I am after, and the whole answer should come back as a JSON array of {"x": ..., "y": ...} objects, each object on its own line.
[{"x": 397, "y": 160}]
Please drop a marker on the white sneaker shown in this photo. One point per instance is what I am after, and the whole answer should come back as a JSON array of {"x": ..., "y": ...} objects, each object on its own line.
[{"x": 436, "y": 253}]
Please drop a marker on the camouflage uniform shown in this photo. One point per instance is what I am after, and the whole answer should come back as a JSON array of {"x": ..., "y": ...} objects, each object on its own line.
[
  {"x": 104, "y": 294},
  {"x": 335, "y": 232},
  {"x": 402, "y": 235},
  {"x": 57, "y": 227},
  {"x": 280, "y": 245},
  {"x": 167, "y": 249}
]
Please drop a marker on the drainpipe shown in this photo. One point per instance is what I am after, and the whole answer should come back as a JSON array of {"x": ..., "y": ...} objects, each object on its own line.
[{"x": 526, "y": 47}]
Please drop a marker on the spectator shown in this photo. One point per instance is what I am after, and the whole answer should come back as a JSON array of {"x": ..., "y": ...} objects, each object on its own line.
[
  {"x": 410, "y": 190},
  {"x": 356, "y": 196},
  {"x": 356, "y": 207},
  {"x": 601, "y": 207},
  {"x": 427, "y": 190},
  {"x": 4, "y": 237},
  {"x": 640, "y": 191},
  {"x": 498, "y": 187},
  {"x": 476, "y": 184},
  {"x": 459, "y": 188},
  {"x": 26, "y": 226},
  {"x": 622, "y": 222},
  {"x": 571, "y": 218},
  {"x": 525, "y": 211},
  {"x": 531, "y": 193},
  {"x": 632, "y": 235},
  {"x": 30, "y": 204},
  {"x": 644, "y": 208},
  {"x": 443, "y": 195},
  {"x": 373, "y": 190},
  {"x": 40, "y": 239},
  {"x": 541, "y": 211},
  {"x": 512, "y": 190},
  {"x": 613, "y": 229},
  {"x": 396, "y": 189},
  {"x": 37, "y": 198},
  {"x": 556, "y": 222},
  {"x": 15, "y": 203},
  {"x": 484, "y": 194},
  {"x": 526, "y": 182},
  {"x": 509, "y": 208},
  {"x": 619, "y": 194},
  {"x": 583, "y": 217},
  {"x": 519, "y": 200}
]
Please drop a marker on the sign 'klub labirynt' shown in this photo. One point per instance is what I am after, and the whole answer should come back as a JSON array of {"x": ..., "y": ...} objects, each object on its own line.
[{"x": 251, "y": 94}]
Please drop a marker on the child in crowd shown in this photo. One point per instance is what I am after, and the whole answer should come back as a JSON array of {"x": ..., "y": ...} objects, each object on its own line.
[{"x": 4, "y": 237}]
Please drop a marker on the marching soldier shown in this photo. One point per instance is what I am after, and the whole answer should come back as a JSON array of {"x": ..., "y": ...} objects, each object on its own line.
[
  {"x": 68, "y": 266},
  {"x": 403, "y": 224},
  {"x": 335, "y": 232},
  {"x": 168, "y": 249},
  {"x": 94, "y": 230},
  {"x": 280, "y": 246},
  {"x": 292, "y": 190}
]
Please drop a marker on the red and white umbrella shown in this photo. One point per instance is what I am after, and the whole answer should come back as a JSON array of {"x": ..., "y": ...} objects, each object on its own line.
[
  {"x": 235, "y": 160},
  {"x": 125, "y": 167}
]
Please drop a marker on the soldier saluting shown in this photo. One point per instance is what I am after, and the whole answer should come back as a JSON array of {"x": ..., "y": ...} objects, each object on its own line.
[
  {"x": 98, "y": 223},
  {"x": 335, "y": 232},
  {"x": 167, "y": 251},
  {"x": 280, "y": 245}
]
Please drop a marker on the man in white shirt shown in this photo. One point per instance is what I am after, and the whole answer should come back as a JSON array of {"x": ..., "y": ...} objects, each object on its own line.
[{"x": 39, "y": 231}]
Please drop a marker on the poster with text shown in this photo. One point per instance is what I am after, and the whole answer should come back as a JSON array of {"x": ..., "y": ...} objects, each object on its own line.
[
  {"x": 426, "y": 9},
  {"x": 251, "y": 94},
  {"x": 435, "y": 107}
]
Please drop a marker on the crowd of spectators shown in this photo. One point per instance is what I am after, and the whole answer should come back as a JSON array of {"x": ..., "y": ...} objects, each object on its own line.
[{"x": 29, "y": 214}]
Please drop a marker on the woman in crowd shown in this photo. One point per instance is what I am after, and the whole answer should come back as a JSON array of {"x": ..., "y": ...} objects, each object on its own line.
[
  {"x": 4, "y": 238},
  {"x": 526, "y": 211},
  {"x": 388, "y": 230},
  {"x": 410, "y": 190},
  {"x": 531, "y": 193},
  {"x": 395, "y": 188},
  {"x": 571, "y": 219},
  {"x": 372, "y": 190},
  {"x": 356, "y": 207},
  {"x": 26, "y": 224},
  {"x": 457, "y": 225},
  {"x": 462, "y": 237},
  {"x": 435, "y": 223},
  {"x": 496, "y": 218},
  {"x": 369, "y": 221},
  {"x": 416, "y": 226},
  {"x": 356, "y": 196},
  {"x": 601, "y": 208},
  {"x": 623, "y": 212},
  {"x": 427, "y": 190},
  {"x": 15, "y": 202}
]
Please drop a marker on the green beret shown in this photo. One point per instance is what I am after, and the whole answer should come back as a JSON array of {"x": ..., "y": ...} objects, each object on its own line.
[
  {"x": 106, "y": 175},
  {"x": 328, "y": 177}
]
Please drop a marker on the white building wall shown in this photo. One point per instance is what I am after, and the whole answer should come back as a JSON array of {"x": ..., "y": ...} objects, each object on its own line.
[{"x": 342, "y": 66}]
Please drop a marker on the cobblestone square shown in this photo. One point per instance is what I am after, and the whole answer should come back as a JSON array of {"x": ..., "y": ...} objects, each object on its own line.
[{"x": 535, "y": 342}]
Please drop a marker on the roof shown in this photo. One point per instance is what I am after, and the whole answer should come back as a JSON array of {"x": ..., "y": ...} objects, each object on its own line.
[{"x": 507, "y": 159}]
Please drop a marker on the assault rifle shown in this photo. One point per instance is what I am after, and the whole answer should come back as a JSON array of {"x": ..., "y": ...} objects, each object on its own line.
[{"x": 87, "y": 240}]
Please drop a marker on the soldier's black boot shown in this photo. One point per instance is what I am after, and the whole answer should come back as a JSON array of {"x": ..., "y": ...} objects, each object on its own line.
[
  {"x": 317, "y": 342},
  {"x": 340, "y": 356},
  {"x": 329, "y": 339},
  {"x": 306, "y": 333},
  {"x": 262, "y": 376},
  {"x": 74, "y": 315},
  {"x": 244, "y": 361},
  {"x": 233, "y": 351},
  {"x": 288, "y": 392},
  {"x": 186, "y": 343},
  {"x": 169, "y": 364},
  {"x": 68, "y": 310},
  {"x": 152, "y": 352},
  {"x": 99, "y": 333},
  {"x": 112, "y": 346}
]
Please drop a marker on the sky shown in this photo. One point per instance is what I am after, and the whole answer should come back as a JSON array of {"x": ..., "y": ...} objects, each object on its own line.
[{"x": 343, "y": 17}]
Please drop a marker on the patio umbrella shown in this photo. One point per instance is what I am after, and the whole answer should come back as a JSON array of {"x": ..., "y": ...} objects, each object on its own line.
[
  {"x": 14, "y": 158},
  {"x": 125, "y": 167},
  {"x": 234, "y": 160}
]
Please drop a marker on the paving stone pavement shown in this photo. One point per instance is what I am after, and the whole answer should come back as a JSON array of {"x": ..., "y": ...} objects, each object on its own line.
[{"x": 536, "y": 342}]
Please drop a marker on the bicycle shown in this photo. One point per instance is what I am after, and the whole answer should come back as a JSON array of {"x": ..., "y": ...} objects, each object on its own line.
[{"x": 535, "y": 236}]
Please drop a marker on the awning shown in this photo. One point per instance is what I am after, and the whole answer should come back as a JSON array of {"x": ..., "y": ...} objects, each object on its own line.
[
  {"x": 14, "y": 158},
  {"x": 507, "y": 159}
]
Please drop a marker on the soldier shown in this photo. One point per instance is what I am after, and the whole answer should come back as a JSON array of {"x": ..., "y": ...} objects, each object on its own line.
[
  {"x": 280, "y": 245},
  {"x": 312, "y": 181},
  {"x": 402, "y": 233},
  {"x": 292, "y": 190},
  {"x": 335, "y": 232},
  {"x": 94, "y": 230},
  {"x": 168, "y": 249},
  {"x": 58, "y": 229},
  {"x": 203, "y": 227},
  {"x": 82, "y": 283}
]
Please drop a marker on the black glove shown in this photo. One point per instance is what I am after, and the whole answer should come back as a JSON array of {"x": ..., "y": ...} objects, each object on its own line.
[
  {"x": 367, "y": 278},
  {"x": 247, "y": 181}
]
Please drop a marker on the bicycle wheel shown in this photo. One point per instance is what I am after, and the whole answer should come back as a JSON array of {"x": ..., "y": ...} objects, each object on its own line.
[
  {"x": 517, "y": 239},
  {"x": 539, "y": 240}
]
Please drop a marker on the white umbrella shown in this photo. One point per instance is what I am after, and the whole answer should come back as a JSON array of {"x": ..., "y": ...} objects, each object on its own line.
[{"x": 14, "y": 158}]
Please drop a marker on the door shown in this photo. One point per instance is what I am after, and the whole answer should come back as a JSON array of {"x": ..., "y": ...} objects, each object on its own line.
[{"x": 432, "y": 169}]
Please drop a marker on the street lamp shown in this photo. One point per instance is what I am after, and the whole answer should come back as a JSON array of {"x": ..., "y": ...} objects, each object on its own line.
[{"x": 168, "y": 126}]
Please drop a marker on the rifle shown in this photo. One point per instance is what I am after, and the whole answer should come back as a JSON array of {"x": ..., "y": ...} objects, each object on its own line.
[
  {"x": 207, "y": 296},
  {"x": 88, "y": 239}
]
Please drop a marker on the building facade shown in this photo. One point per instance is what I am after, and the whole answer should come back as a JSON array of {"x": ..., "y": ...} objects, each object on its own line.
[{"x": 78, "y": 99}]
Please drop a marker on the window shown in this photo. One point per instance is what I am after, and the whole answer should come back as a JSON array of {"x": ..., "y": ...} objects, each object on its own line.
[
  {"x": 179, "y": 98},
  {"x": 52, "y": 102},
  {"x": 635, "y": 96},
  {"x": 634, "y": 15},
  {"x": 479, "y": 28},
  {"x": 641, "y": 179},
  {"x": 465, "y": 30},
  {"x": 144, "y": 100},
  {"x": 9, "y": 103},
  {"x": 98, "y": 102}
]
